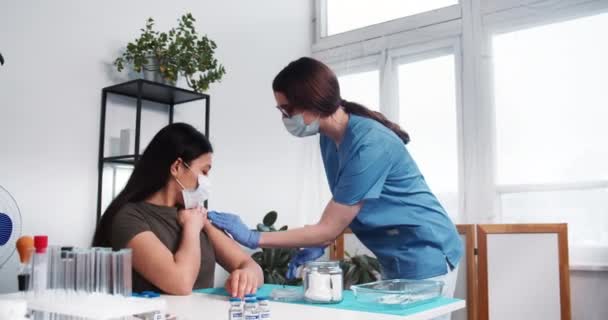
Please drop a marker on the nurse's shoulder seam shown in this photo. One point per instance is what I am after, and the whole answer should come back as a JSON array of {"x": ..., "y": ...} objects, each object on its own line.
[{"x": 376, "y": 133}]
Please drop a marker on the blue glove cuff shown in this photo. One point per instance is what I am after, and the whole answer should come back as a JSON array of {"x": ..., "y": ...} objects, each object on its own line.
[{"x": 254, "y": 240}]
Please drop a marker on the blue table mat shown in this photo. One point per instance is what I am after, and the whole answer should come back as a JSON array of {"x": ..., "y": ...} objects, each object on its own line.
[{"x": 349, "y": 302}]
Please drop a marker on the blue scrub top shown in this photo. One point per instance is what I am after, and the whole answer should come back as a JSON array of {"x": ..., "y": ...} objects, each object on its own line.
[{"x": 400, "y": 221}]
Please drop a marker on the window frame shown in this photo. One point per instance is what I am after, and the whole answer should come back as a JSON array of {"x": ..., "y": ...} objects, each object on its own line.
[
  {"x": 470, "y": 25},
  {"x": 323, "y": 41}
]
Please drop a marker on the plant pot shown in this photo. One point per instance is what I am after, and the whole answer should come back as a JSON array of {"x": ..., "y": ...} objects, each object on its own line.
[{"x": 151, "y": 72}]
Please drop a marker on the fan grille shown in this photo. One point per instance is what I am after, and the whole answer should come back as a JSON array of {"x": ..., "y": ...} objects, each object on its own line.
[{"x": 10, "y": 225}]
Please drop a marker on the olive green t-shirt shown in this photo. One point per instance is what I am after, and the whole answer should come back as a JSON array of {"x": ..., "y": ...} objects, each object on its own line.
[{"x": 134, "y": 218}]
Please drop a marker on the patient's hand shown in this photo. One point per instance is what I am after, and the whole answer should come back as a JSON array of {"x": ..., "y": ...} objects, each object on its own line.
[
  {"x": 243, "y": 281},
  {"x": 192, "y": 218}
]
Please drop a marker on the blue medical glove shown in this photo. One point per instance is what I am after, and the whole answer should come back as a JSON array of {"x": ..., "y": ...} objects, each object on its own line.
[
  {"x": 233, "y": 224},
  {"x": 303, "y": 256}
]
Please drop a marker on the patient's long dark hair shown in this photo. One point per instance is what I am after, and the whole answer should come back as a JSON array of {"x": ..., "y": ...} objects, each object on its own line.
[{"x": 152, "y": 171}]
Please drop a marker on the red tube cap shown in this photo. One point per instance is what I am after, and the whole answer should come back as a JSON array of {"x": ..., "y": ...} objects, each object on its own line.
[{"x": 41, "y": 243}]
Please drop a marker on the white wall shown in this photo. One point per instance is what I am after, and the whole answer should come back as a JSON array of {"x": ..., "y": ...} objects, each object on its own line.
[
  {"x": 58, "y": 57},
  {"x": 589, "y": 295}
]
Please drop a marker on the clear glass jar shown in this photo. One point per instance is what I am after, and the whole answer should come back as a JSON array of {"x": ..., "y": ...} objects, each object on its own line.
[{"x": 323, "y": 282}]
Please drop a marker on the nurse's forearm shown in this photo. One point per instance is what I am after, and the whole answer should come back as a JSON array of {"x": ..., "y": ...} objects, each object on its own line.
[
  {"x": 336, "y": 217},
  {"x": 308, "y": 236}
]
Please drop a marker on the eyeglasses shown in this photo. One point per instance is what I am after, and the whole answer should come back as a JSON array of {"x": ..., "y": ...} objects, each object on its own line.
[{"x": 283, "y": 109}]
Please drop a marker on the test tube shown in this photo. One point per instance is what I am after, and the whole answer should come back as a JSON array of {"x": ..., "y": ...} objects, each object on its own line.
[
  {"x": 127, "y": 280},
  {"x": 103, "y": 270},
  {"x": 54, "y": 267},
  {"x": 116, "y": 273},
  {"x": 81, "y": 257},
  {"x": 121, "y": 272},
  {"x": 69, "y": 273},
  {"x": 91, "y": 266},
  {"x": 40, "y": 267}
]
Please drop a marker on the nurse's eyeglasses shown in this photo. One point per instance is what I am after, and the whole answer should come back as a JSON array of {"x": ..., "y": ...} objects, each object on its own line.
[{"x": 283, "y": 108}]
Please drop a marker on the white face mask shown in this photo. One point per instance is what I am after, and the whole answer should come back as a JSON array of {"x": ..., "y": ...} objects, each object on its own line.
[
  {"x": 196, "y": 197},
  {"x": 296, "y": 126}
]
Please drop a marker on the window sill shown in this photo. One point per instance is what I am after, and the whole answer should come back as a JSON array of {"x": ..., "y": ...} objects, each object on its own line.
[
  {"x": 589, "y": 258},
  {"x": 589, "y": 267}
]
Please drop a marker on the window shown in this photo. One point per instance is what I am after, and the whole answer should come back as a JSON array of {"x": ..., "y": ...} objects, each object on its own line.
[
  {"x": 346, "y": 15},
  {"x": 508, "y": 123},
  {"x": 427, "y": 111},
  {"x": 550, "y": 99},
  {"x": 362, "y": 87}
]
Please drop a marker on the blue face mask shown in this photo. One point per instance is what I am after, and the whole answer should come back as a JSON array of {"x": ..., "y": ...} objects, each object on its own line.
[{"x": 296, "y": 126}]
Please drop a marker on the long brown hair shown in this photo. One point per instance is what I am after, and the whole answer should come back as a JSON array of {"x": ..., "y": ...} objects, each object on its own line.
[{"x": 311, "y": 85}]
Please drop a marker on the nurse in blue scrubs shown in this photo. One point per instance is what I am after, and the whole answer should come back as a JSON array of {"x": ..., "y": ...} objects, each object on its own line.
[{"x": 378, "y": 190}]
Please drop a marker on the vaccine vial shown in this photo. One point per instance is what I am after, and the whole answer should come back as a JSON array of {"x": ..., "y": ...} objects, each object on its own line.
[
  {"x": 250, "y": 311},
  {"x": 264, "y": 308},
  {"x": 236, "y": 310}
]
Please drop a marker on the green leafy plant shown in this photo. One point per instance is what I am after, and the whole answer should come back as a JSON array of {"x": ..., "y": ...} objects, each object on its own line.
[
  {"x": 359, "y": 269},
  {"x": 181, "y": 51},
  {"x": 274, "y": 262}
]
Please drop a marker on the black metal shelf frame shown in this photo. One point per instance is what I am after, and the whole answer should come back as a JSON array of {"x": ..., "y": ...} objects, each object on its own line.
[{"x": 141, "y": 90}]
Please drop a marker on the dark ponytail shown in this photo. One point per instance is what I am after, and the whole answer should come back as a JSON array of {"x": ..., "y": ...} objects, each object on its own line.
[
  {"x": 311, "y": 85},
  {"x": 360, "y": 110}
]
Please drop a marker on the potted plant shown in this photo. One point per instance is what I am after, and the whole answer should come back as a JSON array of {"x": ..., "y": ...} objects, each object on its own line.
[
  {"x": 359, "y": 269},
  {"x": 356, "y": 269},
  {"x": 274, "y": 261},
  {"x": 163, "y": 56}
]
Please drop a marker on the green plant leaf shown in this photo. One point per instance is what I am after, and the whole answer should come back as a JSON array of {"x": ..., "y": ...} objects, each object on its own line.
[
  {"x": 365, "y": 277},
  {"x": 268, "y": 278},
  {"x": 270, "y": 218},
  {"x": 269, "y": 257},
  {"x": 257, "y": 257},
  {"x": 363, "y": 262},
  {"x": 373, "y": 262},
  {"x": 349, "y": 272},
  {"x": 279, "y": 278},
  {"x": 284, "y": 258},
  {"x": 294, "y": 282},
  {"x": 262, "y": 228}
]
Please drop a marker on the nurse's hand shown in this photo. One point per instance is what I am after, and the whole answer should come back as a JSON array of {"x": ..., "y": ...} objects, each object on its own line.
[
  {"x": 233, "y": 224},
  {"x": 303, "y": 256}
]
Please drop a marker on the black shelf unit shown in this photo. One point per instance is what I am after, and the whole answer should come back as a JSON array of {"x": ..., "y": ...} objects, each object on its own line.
[{"x": 141, "y": 90}]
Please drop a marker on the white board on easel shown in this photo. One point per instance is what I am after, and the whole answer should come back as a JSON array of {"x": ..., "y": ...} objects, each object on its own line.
[{"x": 523, "y": 272}]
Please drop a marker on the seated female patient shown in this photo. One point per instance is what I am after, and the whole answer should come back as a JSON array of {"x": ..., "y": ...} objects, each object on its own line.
[{"x": 158, "y": 215}]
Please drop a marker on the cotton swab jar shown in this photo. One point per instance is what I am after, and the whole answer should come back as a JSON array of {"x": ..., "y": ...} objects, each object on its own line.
[{"x": 323, "y": 282}]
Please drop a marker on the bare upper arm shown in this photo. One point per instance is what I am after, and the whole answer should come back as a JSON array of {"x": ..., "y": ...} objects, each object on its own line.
[
  {"x": 228, "y": 253},
  {"x": 337, "y": 217},
  {"x": 153, "y": 260}
]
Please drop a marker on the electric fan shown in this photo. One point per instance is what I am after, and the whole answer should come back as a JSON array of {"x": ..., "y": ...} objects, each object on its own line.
[{"x": 10, "y": 225}]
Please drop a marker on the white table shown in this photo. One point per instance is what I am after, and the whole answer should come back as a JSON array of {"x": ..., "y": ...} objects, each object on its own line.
[{"x": 204, "y": 306}]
